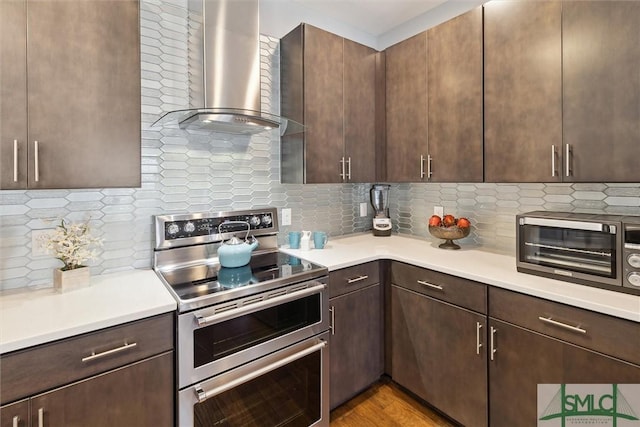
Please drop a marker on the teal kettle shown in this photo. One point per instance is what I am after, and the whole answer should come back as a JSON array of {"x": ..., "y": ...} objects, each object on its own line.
[{"x": 236, "y": 252}]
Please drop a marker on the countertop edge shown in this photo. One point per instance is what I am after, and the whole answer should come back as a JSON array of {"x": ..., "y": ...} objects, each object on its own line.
[{"x": 580, "y": 296}]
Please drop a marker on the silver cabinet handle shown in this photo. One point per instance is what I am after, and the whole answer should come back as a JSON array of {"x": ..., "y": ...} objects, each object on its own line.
[
  {"x": 492, "y": 343},
  {"x": 15, "y": 160},
  {"x": 553, "y": 160},
  {"x": 206, "y": 394},
  {"x": 36, "y": 161},
  {"x": 430, "y": 285},
  {"x": 109, "y": 352},
  {"x": 343, "y": 174},
  {"x": 41, "y": 417},
  {"x": 478, "y": 343},
  {"x": 421, "y": 166},
  {"x": 568, "y": 160},
  {"x": 550, "y": 321},
  {"x": 429, "y": 171},
  {"x": 349, "y": 168},
  {"x": 237, "y": 312},
  {"x": 16, "y": 420},
  {"x": 357, "y": 279},
  {"x": 332, "y": 323}
]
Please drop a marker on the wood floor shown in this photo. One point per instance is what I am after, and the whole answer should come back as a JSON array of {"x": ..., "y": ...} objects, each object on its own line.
[{"x": 385, "y": 405}]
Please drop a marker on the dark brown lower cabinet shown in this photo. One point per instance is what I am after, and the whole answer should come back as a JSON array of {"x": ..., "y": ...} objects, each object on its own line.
[
  {"x": 136, "y": 395},
  {"x": 140, "y": 394},
  {"x": 439, "y": 353},
  {"x": 523, "y": 359},
  {"x": 15, "y": 414},
  {"x": 356, "y": 342}
]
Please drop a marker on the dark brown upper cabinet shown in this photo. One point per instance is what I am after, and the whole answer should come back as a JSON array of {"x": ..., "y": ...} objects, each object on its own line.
[
  {"x": 407, "y": 108},
  {"x": 329, "y": 84},
  {"x": 434, "y": 104},
  {"x": 70, "y": 94},
  {"x": 601, "y": 90},
  {"x": 454, "y": 86},
  {"x": 522, "y": 91}
]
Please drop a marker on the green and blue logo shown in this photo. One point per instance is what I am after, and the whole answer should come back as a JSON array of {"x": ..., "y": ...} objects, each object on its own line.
[{"x": 588, "y": 404}]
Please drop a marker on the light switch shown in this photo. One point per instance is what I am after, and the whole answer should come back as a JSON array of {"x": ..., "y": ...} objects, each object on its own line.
[
  {"x": 438, "y": 210},
  {"x": 286, "y": 216},
  {"x": 363, "y": 209}
]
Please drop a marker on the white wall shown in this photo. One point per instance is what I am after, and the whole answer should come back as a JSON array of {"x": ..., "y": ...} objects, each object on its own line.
[{"x": 278, "y": 17}]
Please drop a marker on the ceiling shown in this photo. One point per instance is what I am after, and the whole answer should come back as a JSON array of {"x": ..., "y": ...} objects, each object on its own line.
[{"x": 375, "y": 17}]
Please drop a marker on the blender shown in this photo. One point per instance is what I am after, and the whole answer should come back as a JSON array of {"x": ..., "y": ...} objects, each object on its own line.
[{"x": 380, "y": 201}]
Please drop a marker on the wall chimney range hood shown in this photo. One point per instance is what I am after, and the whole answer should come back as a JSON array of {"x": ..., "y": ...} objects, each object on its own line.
[{"x": 224, "y": 72}]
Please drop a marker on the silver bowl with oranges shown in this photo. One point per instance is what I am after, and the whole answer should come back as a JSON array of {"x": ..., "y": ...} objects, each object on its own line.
[{"x": 449, "y": 228}]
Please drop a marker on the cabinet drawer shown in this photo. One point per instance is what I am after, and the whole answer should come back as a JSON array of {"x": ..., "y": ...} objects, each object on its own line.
[
  {"x": 606, "y": 334},
  {"x": 462, "y": 292},
  {"x": 352, "y": 278},
  {"x": 30, "y": 371}
]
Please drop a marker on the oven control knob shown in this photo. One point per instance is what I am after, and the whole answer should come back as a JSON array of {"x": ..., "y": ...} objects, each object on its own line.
[
  {"x": 254, "y": 221},
  {"x": 634, "y": 279},
  {"x": 634, "y": 260},
  {"x": 266, "y": 220},
  {"x": 173, "y": 229},
  {"x": 189, "y": 227}
]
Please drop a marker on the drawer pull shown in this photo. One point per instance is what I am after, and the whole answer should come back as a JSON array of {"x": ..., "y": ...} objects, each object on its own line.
[
  {"x": 332, "y": 325},
  {"x": 41, "y": 417},
  {"x": 357, "y": 279},
  {"x": 15, "y": 179},
  {"x": 550, "y": 321},
  {"x": 108, "y": 352},
  {"x": 492, "y": 342},
  {"x": 431, "y": 285},
  {"x": 478, "y": 343},
  {"x": 16, "y": 420}
]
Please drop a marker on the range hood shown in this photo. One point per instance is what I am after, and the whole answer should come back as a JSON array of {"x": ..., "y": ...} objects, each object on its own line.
[{"x": 224, "y": 72}]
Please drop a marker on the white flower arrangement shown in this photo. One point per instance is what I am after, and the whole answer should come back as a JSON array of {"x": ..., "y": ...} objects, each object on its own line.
[{"x": 71, "y": 243}]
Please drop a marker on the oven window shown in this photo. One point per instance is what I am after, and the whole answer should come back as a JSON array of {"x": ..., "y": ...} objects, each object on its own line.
[
  {"x": 288, "y": 396},
  {"x": 582, "y": 251},
  {"x": 226, "y": 338}
]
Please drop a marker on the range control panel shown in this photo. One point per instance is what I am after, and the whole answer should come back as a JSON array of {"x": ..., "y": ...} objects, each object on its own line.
[{"x": 188, "y": 229}]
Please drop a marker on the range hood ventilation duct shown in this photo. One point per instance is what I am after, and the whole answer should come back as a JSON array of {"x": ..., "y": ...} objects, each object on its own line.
[{"x": 224, "y": 72}]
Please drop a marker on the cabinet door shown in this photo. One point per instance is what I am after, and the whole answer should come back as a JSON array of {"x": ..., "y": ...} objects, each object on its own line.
[
  {"x": 141, "y": 394},
  {"x": 323, "y": 107},
  {"x": 15, "y": 414},
  {"x": 360, "y": 111},
  {"x": 522, "y": 91},
  {"x": 84, "y": 93},
  {"x": 406, "y": 99},
  {"x": 601, "y": 89},
  {"x": 439, "y": 353},
  {"x": 455, "y": 99},
  {"x": 13, "y": 94},
  {"x": 524, "y": 359},
  {"x": 356, "y": 343}
]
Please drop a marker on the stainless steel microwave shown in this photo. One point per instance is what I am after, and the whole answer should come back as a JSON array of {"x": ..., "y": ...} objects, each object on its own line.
[{"x": 590, "y": 249}]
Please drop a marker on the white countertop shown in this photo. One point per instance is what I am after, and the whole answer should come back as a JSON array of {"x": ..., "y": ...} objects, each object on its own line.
[
  {"x": 31, "y": 317},
  {"x": 470, "y": 263}
]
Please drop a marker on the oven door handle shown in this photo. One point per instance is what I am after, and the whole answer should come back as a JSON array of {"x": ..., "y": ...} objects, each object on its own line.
[
  {"x": 563, "y": 223},
  {"x": 207, "y": 394},
  {"x": 250, "y": 308}
]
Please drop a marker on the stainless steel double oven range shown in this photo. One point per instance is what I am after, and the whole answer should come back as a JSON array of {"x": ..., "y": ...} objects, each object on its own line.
[{"x": 252, "y": 341}]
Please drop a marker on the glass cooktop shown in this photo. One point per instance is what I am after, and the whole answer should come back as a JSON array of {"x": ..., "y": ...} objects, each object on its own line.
[{"x": 200, "y": 281}]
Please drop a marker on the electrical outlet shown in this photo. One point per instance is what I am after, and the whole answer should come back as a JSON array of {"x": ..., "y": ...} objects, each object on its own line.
[
  {"x": 286, "y": 216},
  {"x": 363, "y": 209},
  {"x": 438, "y": 210},
  {"x": 36, "y": 245}
]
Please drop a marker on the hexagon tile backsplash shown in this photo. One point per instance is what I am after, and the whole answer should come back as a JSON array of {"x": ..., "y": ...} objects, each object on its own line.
[{"x": 188, "y": 172}]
